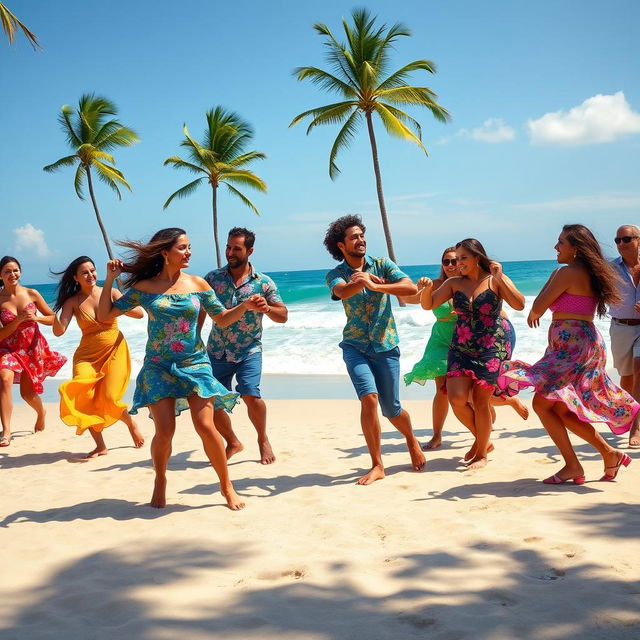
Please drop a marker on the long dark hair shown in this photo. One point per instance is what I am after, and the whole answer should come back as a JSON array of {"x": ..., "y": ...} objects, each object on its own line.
[
  {"x": 145, "y": 260},
  {"x": 68, "y": 286},
  {"x": 7, "y": 260},
  {"x": 604, "y": 280},
  {"x": 443, "y": 274},
  {"x": 475, "y": 248}
]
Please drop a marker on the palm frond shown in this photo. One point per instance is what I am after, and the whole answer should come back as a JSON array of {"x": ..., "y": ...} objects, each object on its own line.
[
  {"x": 399, "y": 78},
  {"x": 247, "y": 158},
  {"x": 9, "y": 23},
  {"x": 395, "y": 126},
  {"x": 342, "y": 141},
  {"x": 317, "y": 111},
  {"x": 67, "y": 161},
  {"x": 183, "y": 192},
  {"x": 246, "y": 178},
  {"x": 77, "y": 182},
  {"x": 412, "y": 123},
  {"x": 243, "y": 198},
  {"x": 332, "y": 116},
  {"x": 422, "y": 96},
  {"x": 111, "y": 177},
  {"x": 179, "y": 163},
  {"x": 73, "y": 139},
  {"x": 325, "y": 80}
]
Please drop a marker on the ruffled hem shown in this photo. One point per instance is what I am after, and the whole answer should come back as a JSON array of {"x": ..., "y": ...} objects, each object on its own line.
[
  {"x": 422, "y": 377},
  {"x": 225, "y": 401}
]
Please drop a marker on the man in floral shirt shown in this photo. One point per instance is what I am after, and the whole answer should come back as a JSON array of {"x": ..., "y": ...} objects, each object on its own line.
[
  {"x": 370, "y": 338},
  {"x": 237, "y": 349}
]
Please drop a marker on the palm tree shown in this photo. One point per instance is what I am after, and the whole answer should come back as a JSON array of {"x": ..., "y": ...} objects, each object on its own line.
[
  {"x": 360, "y": 76},
  {"x": 92, "y": 132},
  {"x": 10, "y": 23},
  {"x": 219, "y": 160}
]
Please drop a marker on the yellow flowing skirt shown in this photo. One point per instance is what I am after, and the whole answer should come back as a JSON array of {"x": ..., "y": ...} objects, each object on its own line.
[{"x": 101, "y": 370}]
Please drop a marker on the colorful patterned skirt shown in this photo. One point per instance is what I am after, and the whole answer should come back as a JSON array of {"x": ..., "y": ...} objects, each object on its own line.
[{"x": 573, "y": 371}]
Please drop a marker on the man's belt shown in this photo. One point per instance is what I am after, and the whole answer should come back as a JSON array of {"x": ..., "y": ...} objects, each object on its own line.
[{"x": 628, "y": 321}]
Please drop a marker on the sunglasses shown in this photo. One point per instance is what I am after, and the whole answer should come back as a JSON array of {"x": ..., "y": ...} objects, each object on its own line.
[
  {"x": 625, "y": 239},
  {"x": 450, "y": 261}
]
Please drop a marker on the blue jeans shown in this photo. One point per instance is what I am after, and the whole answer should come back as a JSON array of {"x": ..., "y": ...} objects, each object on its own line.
[
  {"x": 247, "y": 373},
  {"x": 372, "y": 372}
]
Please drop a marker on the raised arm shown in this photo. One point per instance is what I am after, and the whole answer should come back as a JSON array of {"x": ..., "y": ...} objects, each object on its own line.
[
  {"x": 430, "y": 299},
  {"x": 106, "y": 310},
  {"x": 506, "y": 289},
  {"x": 61, "y": 320}
]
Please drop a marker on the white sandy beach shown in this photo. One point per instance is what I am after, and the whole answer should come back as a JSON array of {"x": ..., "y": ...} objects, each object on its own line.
[{"x": 445, "y": 554}]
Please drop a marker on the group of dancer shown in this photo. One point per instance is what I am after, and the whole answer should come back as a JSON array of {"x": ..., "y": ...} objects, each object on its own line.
[{"x": 468, "y": 354}]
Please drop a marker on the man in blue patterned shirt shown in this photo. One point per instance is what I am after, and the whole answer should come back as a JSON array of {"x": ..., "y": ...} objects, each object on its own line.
[
  {"x": 237, "y": 349},
  {"x": 370, "y": 338}
]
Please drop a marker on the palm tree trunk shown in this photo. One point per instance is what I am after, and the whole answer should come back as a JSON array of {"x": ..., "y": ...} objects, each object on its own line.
[
  {"x": 383, "y": 208},
  {"x": 100, "y": 224},
  {"x": 215, "y": 224}
]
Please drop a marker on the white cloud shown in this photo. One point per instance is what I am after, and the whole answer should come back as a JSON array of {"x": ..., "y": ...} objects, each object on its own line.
[
  {"x": 492, "y": 131},
  {"x": 28, "y": 238},
  {"x": 600, "y": 119},
  {"x": 607, "y": 201}
]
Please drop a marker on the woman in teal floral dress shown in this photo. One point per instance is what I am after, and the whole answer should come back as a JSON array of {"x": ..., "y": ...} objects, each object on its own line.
[{"x": 176, "y": 373}]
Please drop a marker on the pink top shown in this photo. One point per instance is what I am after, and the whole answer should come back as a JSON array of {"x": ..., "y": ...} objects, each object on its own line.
[{"x": 571, "y": 303}]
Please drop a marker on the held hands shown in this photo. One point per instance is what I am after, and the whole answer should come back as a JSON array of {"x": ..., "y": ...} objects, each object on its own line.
[
  {"x": 26, "y": 315},
  {"x": 256, "y": 302},
  {"x": 114, "y": 269},
  {"x": 424, "y": 283},
  {"x": 533, "y": 319},
  {"x": 366, "y": 280}
]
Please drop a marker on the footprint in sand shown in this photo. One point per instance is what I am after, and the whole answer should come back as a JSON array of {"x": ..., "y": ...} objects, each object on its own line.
[{"x": 296, "y": 574}]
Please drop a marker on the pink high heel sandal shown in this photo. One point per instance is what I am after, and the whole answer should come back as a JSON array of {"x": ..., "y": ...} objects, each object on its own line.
[{"x": 623, "y": 461}]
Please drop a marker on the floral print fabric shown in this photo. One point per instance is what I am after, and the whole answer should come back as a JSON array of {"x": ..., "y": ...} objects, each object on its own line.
[
  {"x": 242, "y": 338},
  {"x": 370, "y": 321},
  {"x": 26, "y": 352},
  {"x": 479, "y": 343},
  {"x": 176, "y": 364},
  {"x": 573, "y": 371}
]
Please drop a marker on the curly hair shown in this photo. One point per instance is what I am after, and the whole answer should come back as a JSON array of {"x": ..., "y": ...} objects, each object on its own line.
[
  {"x": 475, "y": 248},
  {"x": 68, "y": 286},
  {"x": 604, "y": 279},
  {"x": 336, "y": 233},
  {"x": 145, "y": 260},
  {"x": 242, "y": 232}
]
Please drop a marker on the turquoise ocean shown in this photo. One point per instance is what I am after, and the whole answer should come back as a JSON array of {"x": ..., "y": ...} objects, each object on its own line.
[{"x": 302, "y": 358}]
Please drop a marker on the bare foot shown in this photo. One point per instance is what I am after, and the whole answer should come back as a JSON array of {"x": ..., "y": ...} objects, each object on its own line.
[
  {"x": 376, "y": 473},
  {"x": 159, "y": 499},
  {"x": 434, "y": 443},
  {"x": 98, "y": 451},
  {"x": 417, "y": 457},
  {"x": 39, "y": 425},
  {"x": 472, "y": 452},
  {"x": 519, "y": 408},
  {"x": 234, "y": 501},
  {"x": 233, "y": 447},
  {"x": 266, "y": 452},
  {"x": 136, "y": 436},
  {"x": 634, "y": 434},
  {"x": 477, "y": 463}
]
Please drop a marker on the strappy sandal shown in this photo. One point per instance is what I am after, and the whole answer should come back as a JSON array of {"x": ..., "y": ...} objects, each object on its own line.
[
  {"x": 624, "y": 460},
  {"x": 5, "y": 441}
]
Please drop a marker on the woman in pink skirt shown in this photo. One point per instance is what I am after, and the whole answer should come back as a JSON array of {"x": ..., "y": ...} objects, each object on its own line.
[{"x": 572, "y": 388}]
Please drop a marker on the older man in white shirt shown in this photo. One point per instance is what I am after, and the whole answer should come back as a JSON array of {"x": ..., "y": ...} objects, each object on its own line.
[{"x": 625, "y": 316}]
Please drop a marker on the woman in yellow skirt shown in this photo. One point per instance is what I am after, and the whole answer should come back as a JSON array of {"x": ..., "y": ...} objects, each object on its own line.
[{"x": 92, "y": 400}]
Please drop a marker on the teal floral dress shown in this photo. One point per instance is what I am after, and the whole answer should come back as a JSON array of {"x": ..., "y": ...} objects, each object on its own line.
[{"x": 176, "y": 364}]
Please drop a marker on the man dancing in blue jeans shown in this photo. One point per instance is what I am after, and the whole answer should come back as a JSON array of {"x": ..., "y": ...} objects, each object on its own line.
[{"x": 370, "y": 339}]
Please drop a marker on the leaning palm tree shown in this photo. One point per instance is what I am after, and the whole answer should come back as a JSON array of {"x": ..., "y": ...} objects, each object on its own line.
[
  {"x": 92, "y": 132},
  {"x": 219, "y": 159},
  {"x": 10, "y": 24},
  {"x": 360, "y": 76}
]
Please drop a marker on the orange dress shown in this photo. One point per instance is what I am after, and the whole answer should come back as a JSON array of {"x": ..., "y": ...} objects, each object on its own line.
[{"x": 101, "y": 370}]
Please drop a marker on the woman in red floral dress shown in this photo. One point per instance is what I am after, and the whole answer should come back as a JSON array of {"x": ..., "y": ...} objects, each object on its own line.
[{"x": 25, "y": 357}]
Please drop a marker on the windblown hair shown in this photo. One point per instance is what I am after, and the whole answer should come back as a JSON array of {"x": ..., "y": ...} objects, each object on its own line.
[
  {"x": 443, "y": 274},
  {"x": 336, "y": 233},
  {"x": 6, "y": 260},
  {"x": 145, "y": 260},
  {"x": 68, "y": 286},
  {"x": 604, "y": 280},
  {"x": 475, "y": 248},
  {"x": 241, "y": 232}
]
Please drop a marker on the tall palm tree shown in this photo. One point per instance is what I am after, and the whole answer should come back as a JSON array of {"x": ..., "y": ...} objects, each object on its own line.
[
  {"x": 219, "y": 159},
  {"x": 10, "y": 24},
  {"x": 359, "y": 74},
  {"x": 92, "y": 132}
]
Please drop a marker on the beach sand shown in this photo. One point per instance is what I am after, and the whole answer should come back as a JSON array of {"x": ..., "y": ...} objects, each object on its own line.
[{"x": 445, "y": 554}]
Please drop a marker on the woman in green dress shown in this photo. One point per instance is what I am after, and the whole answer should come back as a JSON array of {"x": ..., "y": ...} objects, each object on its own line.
[{"x": 433, "y": 364}]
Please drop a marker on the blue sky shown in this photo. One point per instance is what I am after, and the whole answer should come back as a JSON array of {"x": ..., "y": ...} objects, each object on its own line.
[{"x": 545, "y": 98}]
